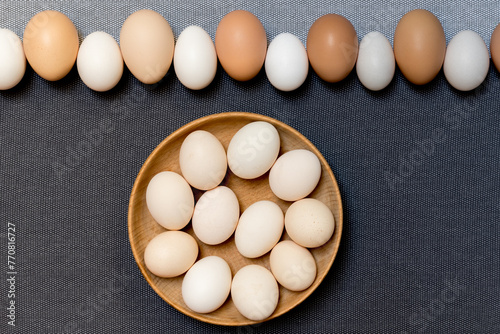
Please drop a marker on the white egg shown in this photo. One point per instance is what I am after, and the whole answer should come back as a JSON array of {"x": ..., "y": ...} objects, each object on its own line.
[
  {"x": 203, "y": 160},
  {"x": 216, "y": 215},
  {"x": 207, "y": 284},
  {"x": 309, "y": 222},
  {"x": 376, "y": 64},
  {"x": 292, "y": 265},
  {"x": 12, "y": 59},
  {"x": 255, "y": 292},
  {"x": 467, "y": 61},
  {"x": 170, "y": 200},
  {"x": 259, "y": 229},
  {"x": 253, "y": 150},
  {"x": 170, "y": 253},
  {"x": 195, "y": 59},
  {"x": 286, "y": 63},
  {"x": 295, "y": 174},
  {"x": 99, "y": 61}
]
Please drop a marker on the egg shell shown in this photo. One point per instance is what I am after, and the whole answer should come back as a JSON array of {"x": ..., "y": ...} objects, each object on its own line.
[
  {"x": 207, "y": 284},
  {"x": 253, "y": 149},
  {"x": 12, "y": 59},
  {"x": 309, "y": 222},
  {"x": 295, "y": 174},
  {"x": 170, "y": 253},
  {"x": 195, "y": 59},
  {"x": 203, "y": 160},
  {"x": 241, "y": 44},
  {"x": 259, "y": 229},
  {"x": 376, "y": 65},
  {"x": 51, "y": 43},
  {"x": 147, "y": 45},
  {"x": 216, "y": 215},
  {"x": 292, "y": 265},
  {"x": 467, "y": 61},
  {"x": 286, "y": 62},
  {"x": 332, "y": 47},
  {"x": 255, "y": 292},
  {"x": 419, "y": 46},
  {"x": 170, "y": 200},
  {"x": 495, "y": 47},
  {"x": 99, "y": 61}
]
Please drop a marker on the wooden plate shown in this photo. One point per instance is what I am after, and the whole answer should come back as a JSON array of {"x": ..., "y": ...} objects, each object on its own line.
[{"x": 142, "y": 227}]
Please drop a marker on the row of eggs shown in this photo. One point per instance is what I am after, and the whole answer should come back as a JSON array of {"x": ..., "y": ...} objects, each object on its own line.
[
  {"x": 51, "y": 46},
  {"x": 215, "y": 217}
]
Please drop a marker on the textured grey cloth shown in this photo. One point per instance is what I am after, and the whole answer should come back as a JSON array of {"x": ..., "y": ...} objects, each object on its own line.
[{"x": 418, "y": 169}]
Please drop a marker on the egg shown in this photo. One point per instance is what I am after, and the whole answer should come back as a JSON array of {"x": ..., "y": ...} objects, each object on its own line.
[
  {"x": 467, "y": 61},
  {"x": 207, "y": 284},
  {"x": 195, "y": 59},
  {"x": 51, "y": 43},
  {"x": 203, "y": 160},
  {"x": 259, "y": 229},
  {"x": 309, "y": 222},
  {"x": 255, "y": 292},
  {"x": 295, "y": 174},
  {"x": 332, "y": 47},
  {"x": 419, "y": 46},
  {"x": 241, "y": 44},
  {"x": 376, "y": 65},
  {"x": 147, "y": 45},
  {"x": 495, "y": 47},
  {"x": 170, "y": 253},
  {"x": 253, "y": 149},
  {"x": 216, "y": 215},
  {"x": 99, "y": 61},
  {"x": 292, "y": 265},
  {"x": 12, "y": 59},
  {"x": 170, "y": 200},
  {"x": 286, "y": 63}
]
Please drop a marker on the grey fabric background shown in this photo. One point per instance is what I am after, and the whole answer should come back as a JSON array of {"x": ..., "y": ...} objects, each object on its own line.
[{"x": 418, "y": 169}]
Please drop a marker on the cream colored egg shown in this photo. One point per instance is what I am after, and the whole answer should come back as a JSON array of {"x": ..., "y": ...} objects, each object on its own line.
[
  {"x": 99, "y": 61},
  {"x": 202, "y": 159},
  {"x": 259, "y": 229},
  {"x": 253, "y": 150},
  {"x": 375, "y": 65},
  {"x": 12, "y": 59},
  {"x": 309, "y": 222},
  {"x": 170, "y": 253},
  {"x": 216, "y": 215},
  {"x": 207, "y": 284},
  {"x": 295, "y": 174},
  {"x": 195, "y": 59},
  {"x": 467, "y": 61},
  {"x": 255, "y": 292},
  {"x": 292, "y": 265},
  {"x": 170, "y": 200}
]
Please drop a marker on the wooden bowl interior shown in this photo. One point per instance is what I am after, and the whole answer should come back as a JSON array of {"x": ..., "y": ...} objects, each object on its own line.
[{"x": 142, "y": 227}]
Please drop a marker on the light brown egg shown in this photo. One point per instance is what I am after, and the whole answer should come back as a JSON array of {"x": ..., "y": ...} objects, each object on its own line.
[
  {"x": 332, "y": 47},
  {"x": 419, "y": 46},
  {"x": 495, "y": 47},
  {"x": 241, "y": 44},
  {"x": 147, "y": 45},
  {"x": 51, "y": 44}
]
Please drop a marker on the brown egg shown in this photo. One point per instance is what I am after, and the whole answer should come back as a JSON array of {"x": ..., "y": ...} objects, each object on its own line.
[
  {"x": 332, "y": 47},
  {"x": 495, "y": 47},
  {"x": 147, "y": 45},
  {"x": 241, "y": 44},
  {"x": 51, "y": 44},
  {"x": 419, "y": 46}
]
